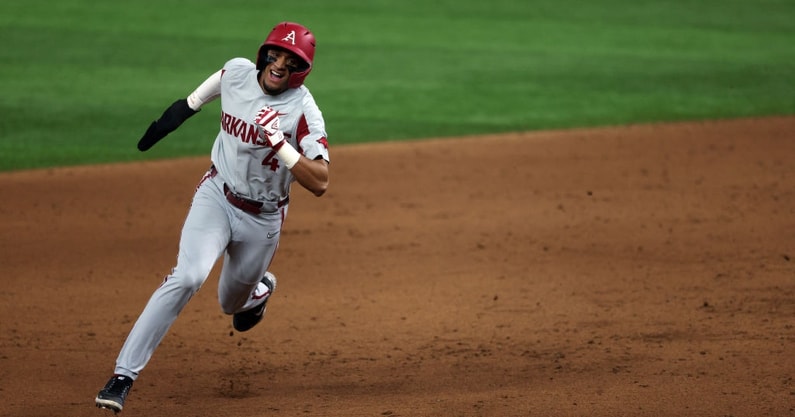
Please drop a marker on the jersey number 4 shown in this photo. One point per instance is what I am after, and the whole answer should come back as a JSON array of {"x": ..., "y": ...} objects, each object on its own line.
[{"x": 271, "y": 161}]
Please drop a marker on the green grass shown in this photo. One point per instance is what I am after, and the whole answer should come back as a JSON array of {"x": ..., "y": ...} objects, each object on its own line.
[{"x": 82, "y": 79}]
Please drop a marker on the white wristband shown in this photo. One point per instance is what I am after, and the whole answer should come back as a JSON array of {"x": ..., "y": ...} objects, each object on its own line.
[{"x": 288, "y": 155}]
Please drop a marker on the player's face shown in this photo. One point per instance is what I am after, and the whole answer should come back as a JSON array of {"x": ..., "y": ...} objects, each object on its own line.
[{"x": 281, "y": 64}]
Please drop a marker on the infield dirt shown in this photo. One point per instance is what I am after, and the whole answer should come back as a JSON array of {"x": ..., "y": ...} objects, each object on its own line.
[{"x": 631, "y": 271}]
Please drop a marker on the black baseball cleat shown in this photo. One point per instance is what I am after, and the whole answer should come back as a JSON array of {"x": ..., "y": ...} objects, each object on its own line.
[
  {"x": 115, "y": 392},
  {"x": 245, "y": 320}
]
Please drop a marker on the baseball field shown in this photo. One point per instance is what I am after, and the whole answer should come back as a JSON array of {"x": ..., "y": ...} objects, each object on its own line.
[{"x": 552, "y": 208}]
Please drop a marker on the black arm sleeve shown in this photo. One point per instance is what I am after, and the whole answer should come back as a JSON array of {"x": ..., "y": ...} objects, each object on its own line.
[{"x": 171, "y": 119}]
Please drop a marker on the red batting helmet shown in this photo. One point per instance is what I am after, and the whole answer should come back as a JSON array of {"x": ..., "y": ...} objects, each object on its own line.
[{"x": 296, "y": 39}]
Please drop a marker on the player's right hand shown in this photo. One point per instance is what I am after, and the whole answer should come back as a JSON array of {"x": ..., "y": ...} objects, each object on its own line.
[{"x": 171, "y": 119}]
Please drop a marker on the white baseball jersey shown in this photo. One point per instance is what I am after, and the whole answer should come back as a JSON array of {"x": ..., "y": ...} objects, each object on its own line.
[{"x": 241, "y": 155}]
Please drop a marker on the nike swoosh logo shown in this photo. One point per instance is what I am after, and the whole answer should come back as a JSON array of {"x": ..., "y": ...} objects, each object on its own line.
[{"x": 272, "y": 235}]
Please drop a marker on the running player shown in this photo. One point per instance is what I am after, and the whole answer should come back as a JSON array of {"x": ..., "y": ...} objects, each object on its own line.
[{"x": 271, "y": 134}]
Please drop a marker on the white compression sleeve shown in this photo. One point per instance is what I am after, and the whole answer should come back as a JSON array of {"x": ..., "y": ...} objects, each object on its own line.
[{"x": 208, "y": 91}]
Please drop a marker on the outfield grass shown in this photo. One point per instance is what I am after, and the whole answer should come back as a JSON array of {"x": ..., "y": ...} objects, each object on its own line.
[{"x": 81, "y": 80}]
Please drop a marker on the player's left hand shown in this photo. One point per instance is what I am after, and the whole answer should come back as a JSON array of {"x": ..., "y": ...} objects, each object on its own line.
[{"x": 268, "y": 119}]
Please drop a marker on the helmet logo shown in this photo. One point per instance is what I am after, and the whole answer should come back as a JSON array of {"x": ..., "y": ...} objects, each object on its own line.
[{"x": 290, "y": 37}]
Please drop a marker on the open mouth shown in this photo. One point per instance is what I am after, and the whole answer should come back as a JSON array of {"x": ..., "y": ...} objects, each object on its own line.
[{"x": 276, "y": 75}]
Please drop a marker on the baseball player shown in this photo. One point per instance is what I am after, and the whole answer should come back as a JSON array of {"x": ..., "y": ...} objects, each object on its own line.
[{"x": 271, "y": 134}]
